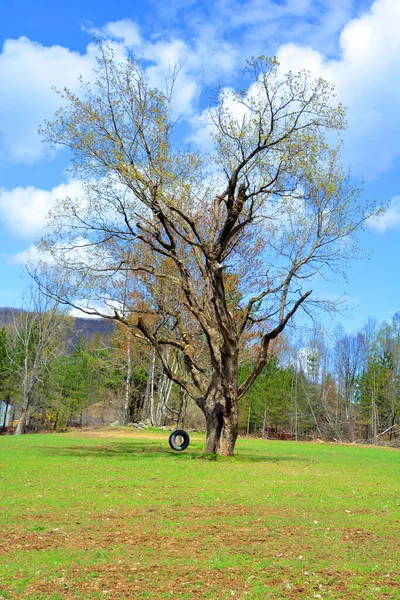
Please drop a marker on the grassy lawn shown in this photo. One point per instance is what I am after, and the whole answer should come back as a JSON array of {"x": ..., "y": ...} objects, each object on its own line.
[{"x": 122, "y": 516}]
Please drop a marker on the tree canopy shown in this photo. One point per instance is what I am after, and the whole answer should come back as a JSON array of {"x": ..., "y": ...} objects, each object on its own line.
[{"x": 202, "y": 255}]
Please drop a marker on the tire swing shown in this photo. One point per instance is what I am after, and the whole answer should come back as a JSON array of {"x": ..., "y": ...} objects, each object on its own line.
[{"x": 179, "y": 440}]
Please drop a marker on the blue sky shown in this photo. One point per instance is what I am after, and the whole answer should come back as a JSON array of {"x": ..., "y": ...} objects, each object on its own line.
[{"x": 355, "y": 44}]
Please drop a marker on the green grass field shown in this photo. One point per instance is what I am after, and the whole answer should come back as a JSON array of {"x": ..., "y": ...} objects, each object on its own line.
[{"x": 120, "y": 515}]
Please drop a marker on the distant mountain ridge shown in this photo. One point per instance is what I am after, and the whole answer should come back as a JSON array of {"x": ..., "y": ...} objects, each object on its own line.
[{"x": 82, "y": 327}]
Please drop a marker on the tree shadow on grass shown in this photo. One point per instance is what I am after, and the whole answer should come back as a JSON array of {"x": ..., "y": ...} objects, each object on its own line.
[{"x": 138, "y": 449}]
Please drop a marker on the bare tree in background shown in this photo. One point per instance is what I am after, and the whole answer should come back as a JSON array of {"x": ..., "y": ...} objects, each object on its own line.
[
  {"x": 39, "y": 332},
  {"x": 349, "y": 359}
]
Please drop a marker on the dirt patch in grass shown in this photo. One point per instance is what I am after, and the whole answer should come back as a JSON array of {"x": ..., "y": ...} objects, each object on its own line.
[
  {"x": 229, "y": 525},
  {"x": 196, "y": 558},
  {"x": 125, "y": 580},
  {"x": 240, "y": 528}
]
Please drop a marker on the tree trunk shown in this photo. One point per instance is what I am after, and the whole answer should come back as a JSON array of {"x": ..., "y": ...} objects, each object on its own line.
[
  {"x": 213, "y": 432},
  {"x": 221, "y": 424},
  {"x": 153, "y": 362},
  {"x": 229, "y": 432},
  {"x": 264, "y": 422},
  {"x": 128, "y": 380},
  {"x": 248, "y": 421},
  {"x": 22, "y": 420},
  {"x": 29, "y": 381},
  {"x": 7, "y": 404}
]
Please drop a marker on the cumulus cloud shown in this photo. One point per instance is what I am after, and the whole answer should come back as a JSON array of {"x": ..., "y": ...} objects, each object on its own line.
[
  {"x": 258, "y": 26},
  {"x": 90, "y": 308},
  {"x": 366, "y": 70},
  {"x": 165, "y": 56},
  {"x": 366, "y": 76},
  {"x": 29, "y": 71},
  {"x": 390, "y": 219},
  {"x": 30, "y": 256},
  {"x": 24, "y": 210},
  {"x": 124, "y": 30},
  {"x": 195, "y": 60},
  {"x": 81, "y": 254}
]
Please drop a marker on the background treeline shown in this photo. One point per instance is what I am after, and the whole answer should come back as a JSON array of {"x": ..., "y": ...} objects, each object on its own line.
[{"x": 58, "y": 371}]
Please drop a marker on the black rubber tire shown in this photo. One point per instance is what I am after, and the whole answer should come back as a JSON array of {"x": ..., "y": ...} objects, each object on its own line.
[{"x": 172, "y": 440}]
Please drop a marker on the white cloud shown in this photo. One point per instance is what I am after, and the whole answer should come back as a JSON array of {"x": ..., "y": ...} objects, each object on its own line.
[
  {"x": 31, "y": 70},
  {"x": 105, "y": 306},
  {"x": 367, "y": 79},
  {"x": 81, "y": 253},
  {"x": 24, "y": 210},
  {"x": 28, "y": 71},
  {"x": 197, "y": 65},
  {"x": 165, "y": 56},
  {"x": 195, "y": 60},
  {"x": 125, "y": 30},
  {"x": 303, "y": 359},
  {"x": 390, "y": 219},
  {"x": 366, "y": 73},
  {"x": 30, "y": 256},
  {"x": 259, "y": 26}
]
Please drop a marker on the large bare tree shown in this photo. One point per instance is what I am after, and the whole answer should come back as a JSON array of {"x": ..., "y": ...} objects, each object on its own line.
[{"x": 217, "y": 245}]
